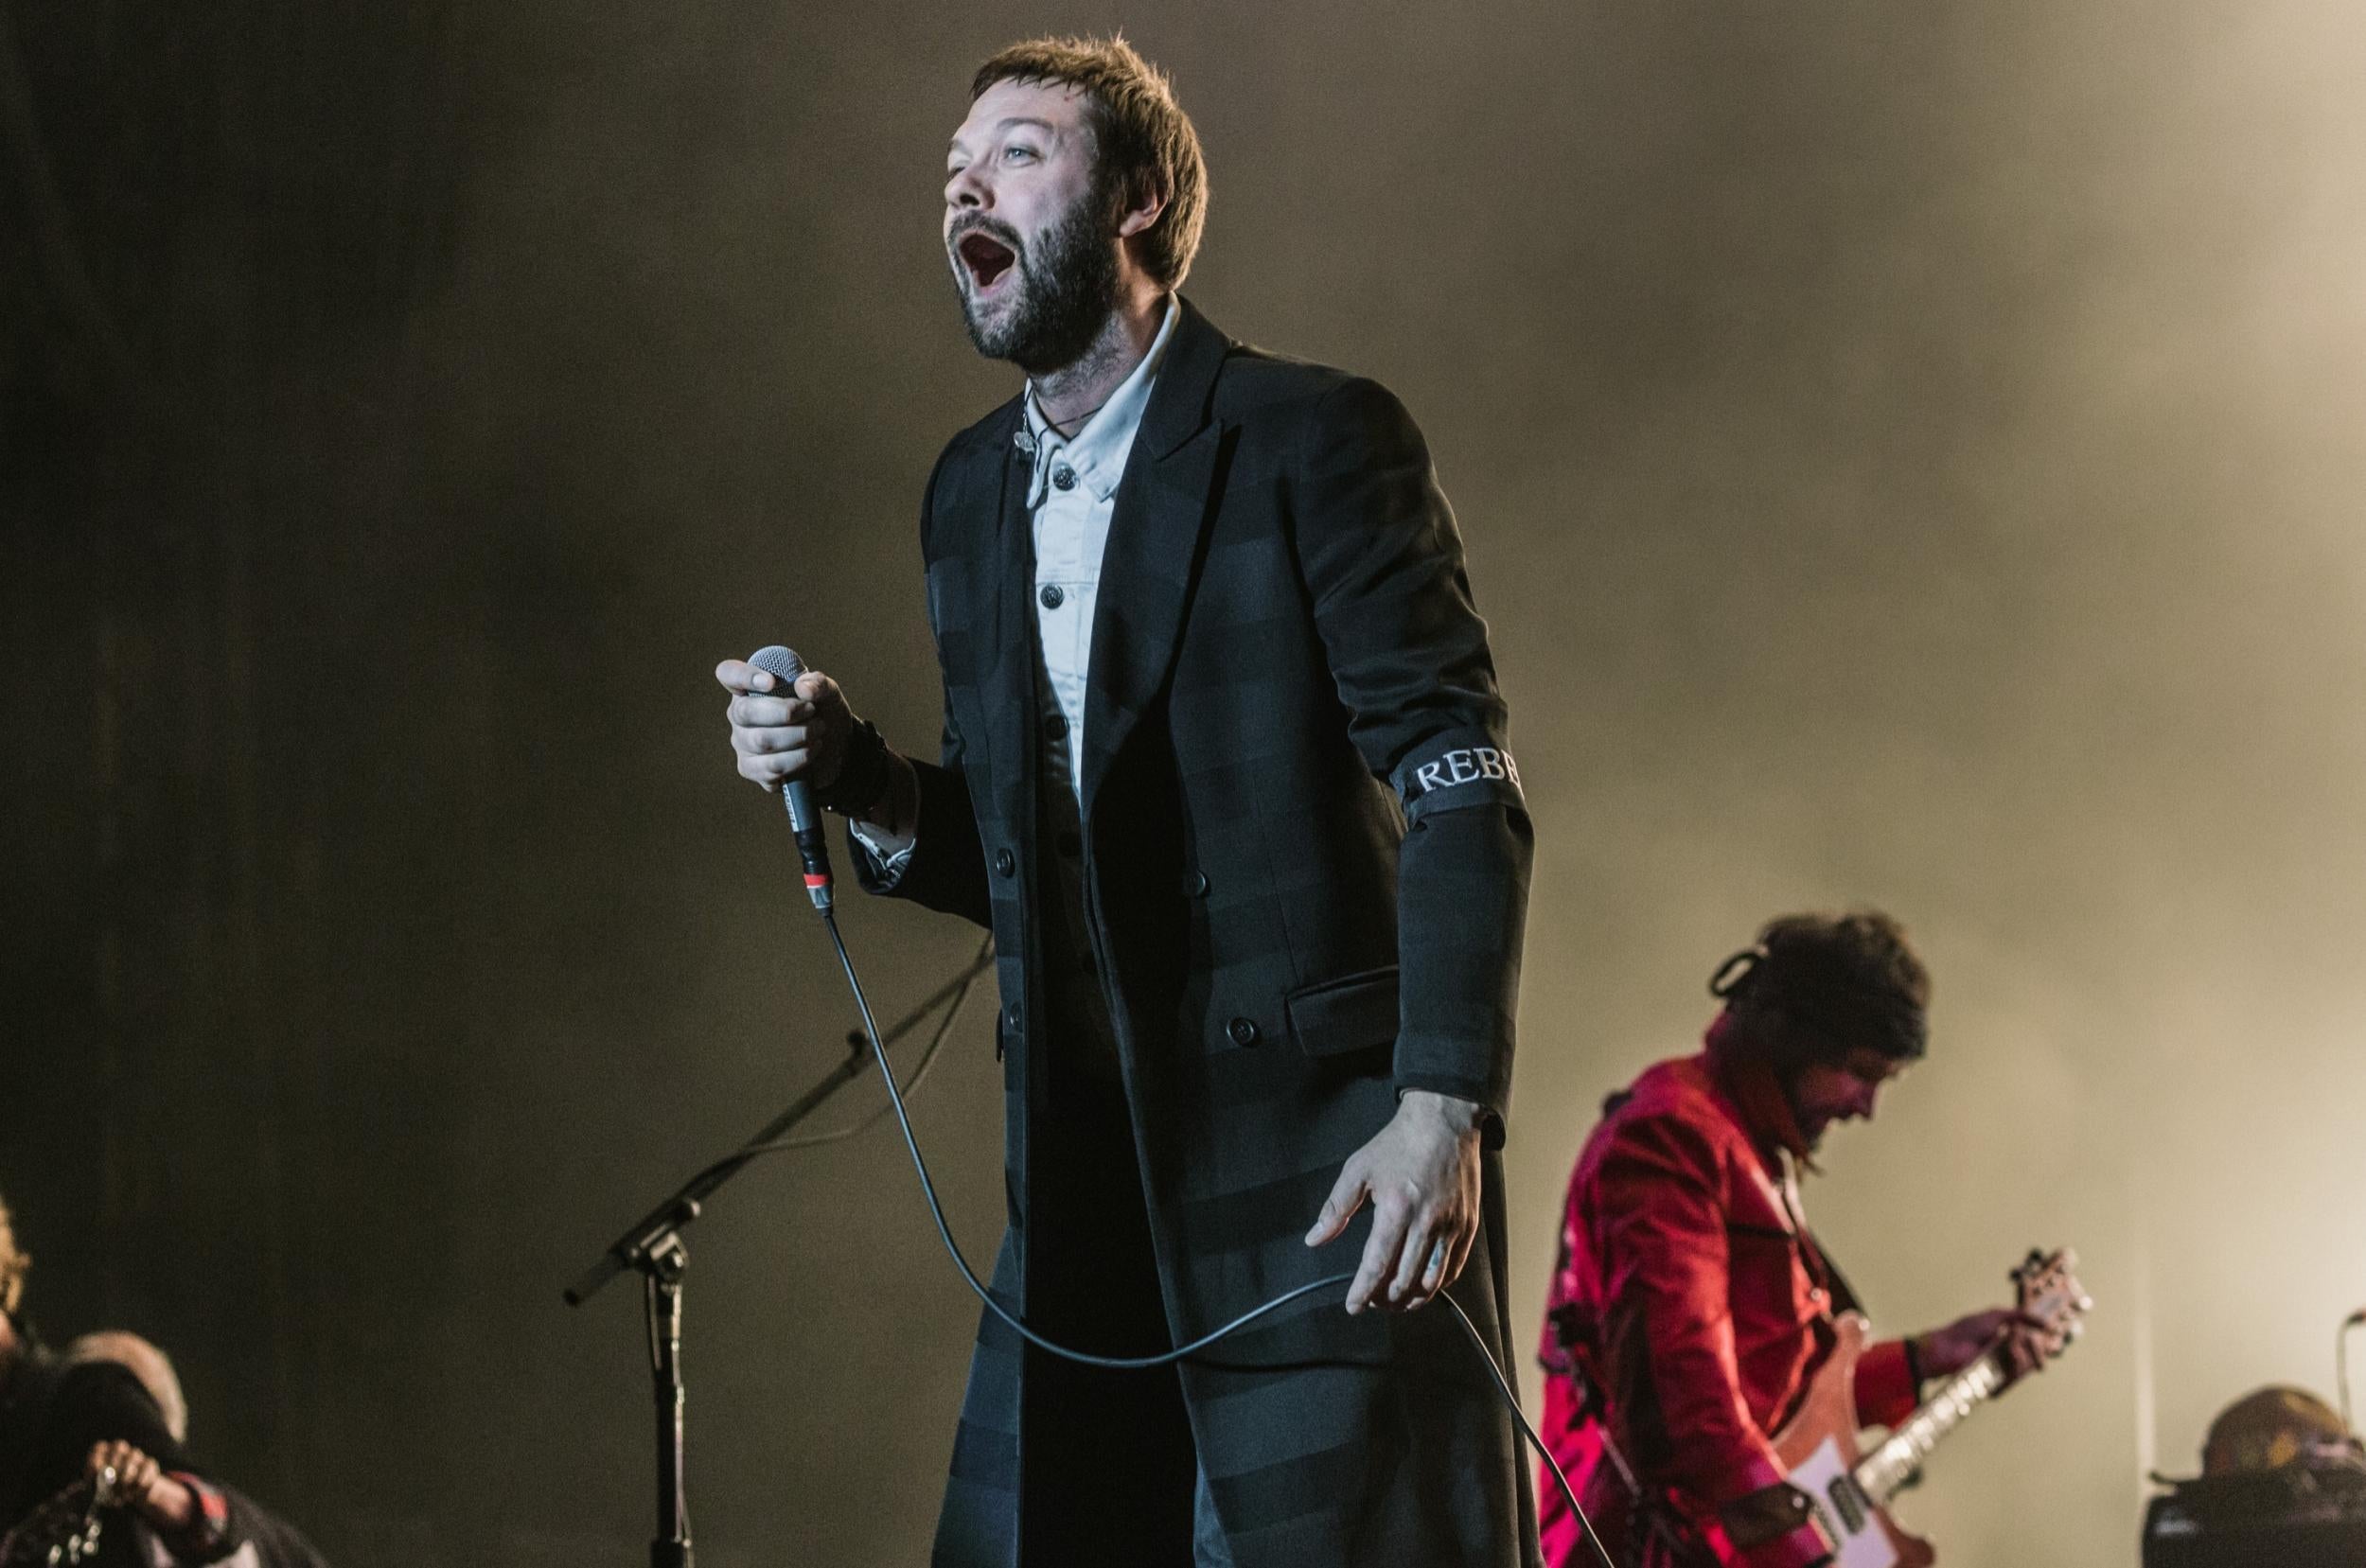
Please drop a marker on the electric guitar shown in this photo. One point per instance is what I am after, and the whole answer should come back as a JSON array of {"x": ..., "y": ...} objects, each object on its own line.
[{"x": 1849, "y": 1491}]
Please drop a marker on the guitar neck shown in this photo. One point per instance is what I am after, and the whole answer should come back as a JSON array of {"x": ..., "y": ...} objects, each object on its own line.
[{"x": 1886, "y": 1469}]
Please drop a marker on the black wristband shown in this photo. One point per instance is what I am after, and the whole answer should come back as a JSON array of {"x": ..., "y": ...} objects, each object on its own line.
[{"x": 862, "y": 778}]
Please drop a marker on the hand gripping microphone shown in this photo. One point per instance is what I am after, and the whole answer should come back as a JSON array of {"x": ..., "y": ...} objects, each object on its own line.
[{"x": 813, "y": 847}]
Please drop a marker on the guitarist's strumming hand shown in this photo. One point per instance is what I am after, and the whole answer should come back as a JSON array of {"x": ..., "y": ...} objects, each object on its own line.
[
  {"x": 1944, "y": 1352},
  {"x": 140, "y": 1484}
]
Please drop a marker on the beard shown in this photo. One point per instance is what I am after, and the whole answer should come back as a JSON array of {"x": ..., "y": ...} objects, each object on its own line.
[{"x": 1068, "y": 287}]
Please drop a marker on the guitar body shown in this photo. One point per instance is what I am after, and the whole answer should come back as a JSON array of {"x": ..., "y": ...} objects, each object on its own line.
[{"x": 1818, "y": 1450}]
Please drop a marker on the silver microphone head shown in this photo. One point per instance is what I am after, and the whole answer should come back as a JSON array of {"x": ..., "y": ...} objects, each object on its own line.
[{"x": 781, "y": 664}]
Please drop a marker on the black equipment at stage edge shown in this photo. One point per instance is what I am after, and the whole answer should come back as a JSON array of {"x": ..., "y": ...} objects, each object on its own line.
[{"x": 2295, "y": 1516}]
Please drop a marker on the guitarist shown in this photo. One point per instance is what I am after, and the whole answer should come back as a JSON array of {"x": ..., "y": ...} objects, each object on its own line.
[
  {"x": 1690, "y": 1306},
  {"x": 61, "y": 1422}
]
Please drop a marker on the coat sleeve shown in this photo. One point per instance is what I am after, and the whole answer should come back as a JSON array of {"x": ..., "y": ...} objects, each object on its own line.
[
  {"x": 946, "y": 870},
  {"x": 1384, "y": 567},
  {"x": 947, "y": 867},
  {"x": 1667, "y": 1333},
  {"x": 1885, "y": 1387}
]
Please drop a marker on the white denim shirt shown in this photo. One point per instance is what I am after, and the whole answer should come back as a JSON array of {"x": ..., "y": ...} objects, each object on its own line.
[{"x": 1070, "y": 497}]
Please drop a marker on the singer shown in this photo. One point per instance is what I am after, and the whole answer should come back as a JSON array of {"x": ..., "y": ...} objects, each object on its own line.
[{"x": 1226, "y": 772}]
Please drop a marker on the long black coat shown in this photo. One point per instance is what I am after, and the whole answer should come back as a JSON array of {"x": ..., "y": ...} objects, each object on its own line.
[{"x": 1305, "y": 857}]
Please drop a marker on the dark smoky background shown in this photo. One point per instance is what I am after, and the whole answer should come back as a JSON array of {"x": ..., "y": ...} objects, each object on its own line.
[{"x": 1908, "y": 454}]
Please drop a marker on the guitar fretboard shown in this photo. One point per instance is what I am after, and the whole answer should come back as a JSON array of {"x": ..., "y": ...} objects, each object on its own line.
[{"x": 1885, "y": 1470}]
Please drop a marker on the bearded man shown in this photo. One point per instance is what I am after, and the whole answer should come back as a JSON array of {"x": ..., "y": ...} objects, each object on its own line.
[{"x": 1224, "y": 768}]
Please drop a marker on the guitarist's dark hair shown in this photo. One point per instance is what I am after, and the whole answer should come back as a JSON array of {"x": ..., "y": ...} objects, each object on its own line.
[{"x": 1815, "y": 987}]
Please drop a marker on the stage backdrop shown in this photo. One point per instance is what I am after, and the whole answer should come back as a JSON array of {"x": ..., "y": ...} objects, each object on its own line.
[{"x": 1908, "y": 454}]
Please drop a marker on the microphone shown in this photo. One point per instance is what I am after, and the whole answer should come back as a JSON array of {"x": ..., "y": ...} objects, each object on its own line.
[
  {"x": 2355, "y": 1319},
  {"x": 813, "y": 847}
]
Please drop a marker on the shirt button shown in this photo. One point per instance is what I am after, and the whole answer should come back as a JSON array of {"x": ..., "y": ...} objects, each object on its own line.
[
  {"x": 1055, "y": 726},
  {"x": 1243, "y": 1030},
  {"x": 1004, "y": 863},
  {"x": 1063, "y": 478},
  {"x": 1010, "y": 1014},
  {"x": 1050, "y": 597}
]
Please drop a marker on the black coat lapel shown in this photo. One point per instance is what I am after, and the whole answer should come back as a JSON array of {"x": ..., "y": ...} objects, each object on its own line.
[
  {"x": 1155, "y": 533},
  {"x": 1008, "y": 689},
  {"x": 987, "y": 504}
]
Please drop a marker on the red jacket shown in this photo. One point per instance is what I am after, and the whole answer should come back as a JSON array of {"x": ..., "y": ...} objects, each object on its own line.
[{"x": 1690, "y": 1297}]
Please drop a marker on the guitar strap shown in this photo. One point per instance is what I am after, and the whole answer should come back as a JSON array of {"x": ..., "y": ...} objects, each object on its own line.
[{"x": 1821, "y": 1268}]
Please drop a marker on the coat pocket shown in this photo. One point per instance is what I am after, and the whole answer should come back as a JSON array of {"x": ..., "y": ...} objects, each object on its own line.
[{"x": 1353, "y": 1012}]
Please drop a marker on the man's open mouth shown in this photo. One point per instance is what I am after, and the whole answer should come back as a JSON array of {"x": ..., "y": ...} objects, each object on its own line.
[{"x": 986, "y": 258}]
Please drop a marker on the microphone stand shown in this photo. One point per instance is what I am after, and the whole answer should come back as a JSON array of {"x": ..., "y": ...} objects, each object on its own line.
[{"x": 653, "y": 1247}]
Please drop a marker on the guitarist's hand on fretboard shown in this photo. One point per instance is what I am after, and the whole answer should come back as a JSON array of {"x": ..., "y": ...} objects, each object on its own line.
[
  {"x": 1969, "y": 1361},
  {"x": 2016, "y": 1337}
]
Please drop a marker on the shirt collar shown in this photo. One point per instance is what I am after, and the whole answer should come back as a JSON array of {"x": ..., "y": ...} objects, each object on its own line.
[
  {"x": 1097, "y": 452},
  {"x": 1756, "y": 1093}
]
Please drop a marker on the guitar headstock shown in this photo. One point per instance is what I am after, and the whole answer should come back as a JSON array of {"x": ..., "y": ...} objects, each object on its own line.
[{"x": 2046, "y": 1289}]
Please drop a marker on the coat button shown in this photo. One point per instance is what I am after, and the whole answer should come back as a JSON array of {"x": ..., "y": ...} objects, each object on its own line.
[
  {"x": 1051, "y": 598},
  {"x": 1063, "y": 478},
  {"x": 1243, "y": 1031},
  {"x": 1004, "y": 863},
  {"x": 1010, "y": 1016},
  {"x": 1199, "y": 884},
  {"x": 1055, "y": 724}
]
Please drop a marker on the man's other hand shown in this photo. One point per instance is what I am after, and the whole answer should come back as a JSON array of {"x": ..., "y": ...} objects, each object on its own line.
[
  {"x": 1421, "y": 1174},
  {"x": 779, "y": 732}
]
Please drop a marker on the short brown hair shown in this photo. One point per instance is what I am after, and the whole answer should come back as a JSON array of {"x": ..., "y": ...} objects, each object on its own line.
[
  {"x": 1817, "y": 986},
  {"x": 1142, "y": 141},
  {"x": 12, "y": 1264}
]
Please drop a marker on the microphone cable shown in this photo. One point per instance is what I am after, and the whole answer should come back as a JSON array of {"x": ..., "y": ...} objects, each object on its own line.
[{"x": 1165, "y": 1358}]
